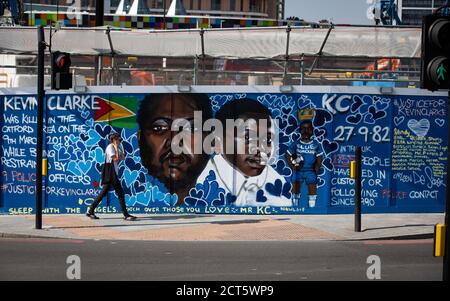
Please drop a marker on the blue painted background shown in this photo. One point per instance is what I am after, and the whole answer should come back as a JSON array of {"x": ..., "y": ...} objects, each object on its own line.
[{"x": 403, "y": 137}]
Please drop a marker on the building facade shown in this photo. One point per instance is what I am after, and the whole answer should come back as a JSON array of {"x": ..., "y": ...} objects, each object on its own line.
[
  {"x": 269, "y": 9},
  {"x": 411, "y": 11}
]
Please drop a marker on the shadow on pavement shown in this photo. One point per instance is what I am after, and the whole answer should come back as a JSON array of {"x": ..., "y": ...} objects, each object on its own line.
[
  {"x": 135, "y": 224},
  {"x": 395, "y": 227}
]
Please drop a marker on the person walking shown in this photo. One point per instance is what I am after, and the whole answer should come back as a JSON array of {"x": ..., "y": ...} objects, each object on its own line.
[{"x": 110, "y": 178}]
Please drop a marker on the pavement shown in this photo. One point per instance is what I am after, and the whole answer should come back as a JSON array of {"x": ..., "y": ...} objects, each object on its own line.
[{"x": 192, "y": 227}]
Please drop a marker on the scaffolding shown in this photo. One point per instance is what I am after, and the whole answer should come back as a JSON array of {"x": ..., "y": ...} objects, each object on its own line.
[{"x": 341, "y": 55}]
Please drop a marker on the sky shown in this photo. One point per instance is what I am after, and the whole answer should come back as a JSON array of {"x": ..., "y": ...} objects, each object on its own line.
[{"x": 336, "y": 11}]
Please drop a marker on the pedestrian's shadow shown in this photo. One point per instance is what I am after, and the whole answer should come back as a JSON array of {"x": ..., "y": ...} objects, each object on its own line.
[
  {"x": 137, "y": 224},
  {"x": 396, "y": 227}
]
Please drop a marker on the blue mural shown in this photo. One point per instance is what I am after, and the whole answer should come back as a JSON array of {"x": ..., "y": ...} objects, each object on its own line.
[{"x": 305, "y": 170}]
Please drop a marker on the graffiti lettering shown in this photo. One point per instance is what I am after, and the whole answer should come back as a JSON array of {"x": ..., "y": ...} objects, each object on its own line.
[
  {"x": 327, "y": 103},
  {"x": 69, "y": 103}
]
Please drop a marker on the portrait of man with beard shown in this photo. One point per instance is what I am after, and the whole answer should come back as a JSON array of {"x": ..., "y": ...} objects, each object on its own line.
[{"x": 156, "y": 114}]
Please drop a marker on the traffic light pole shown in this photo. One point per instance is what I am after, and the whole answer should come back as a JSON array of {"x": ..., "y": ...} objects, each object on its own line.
[
  {"x": 40, "y": 125},
  {"x": 358, "y": 188}
]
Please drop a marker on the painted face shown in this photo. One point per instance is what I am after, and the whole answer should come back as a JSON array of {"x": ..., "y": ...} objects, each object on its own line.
[
  {"x": 306, "y": 130},
  {"x": 256, "y": 140},
  {"x": 174, "y": 170}
]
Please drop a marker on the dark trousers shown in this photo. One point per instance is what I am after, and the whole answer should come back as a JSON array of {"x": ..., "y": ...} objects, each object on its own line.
[{"x": 120, "y": 193}]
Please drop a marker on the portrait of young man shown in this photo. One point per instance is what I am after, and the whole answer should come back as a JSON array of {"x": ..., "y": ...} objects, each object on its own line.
[
  {"x": 242, "y": 168},
  {"x": 156, "y": 116}
]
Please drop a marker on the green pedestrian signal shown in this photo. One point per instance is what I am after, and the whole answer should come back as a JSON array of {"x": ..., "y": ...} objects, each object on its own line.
[
  {"x": 435, "y": 53},
  {"x": 441, "y": 72}
]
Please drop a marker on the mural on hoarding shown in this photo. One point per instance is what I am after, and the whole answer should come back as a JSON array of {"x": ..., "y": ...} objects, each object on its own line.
[{"x": 244, "y": 153}]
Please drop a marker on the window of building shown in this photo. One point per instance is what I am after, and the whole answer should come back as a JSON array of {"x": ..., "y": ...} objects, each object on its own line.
[
  {"x": 215, "y": 5},
  {"x": 199, "y": 4},
  {"x": 232, "y": 5},
  {"x": 254, "y": 6}
]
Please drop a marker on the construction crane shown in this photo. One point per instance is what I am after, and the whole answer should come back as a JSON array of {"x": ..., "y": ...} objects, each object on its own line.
[{"x": 15, "y": 9}]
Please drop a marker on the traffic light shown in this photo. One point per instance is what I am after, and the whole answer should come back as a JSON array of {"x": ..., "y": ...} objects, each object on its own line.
[
  {"x": 435, "y": 72},
  {"x": 61, "y": 76}
]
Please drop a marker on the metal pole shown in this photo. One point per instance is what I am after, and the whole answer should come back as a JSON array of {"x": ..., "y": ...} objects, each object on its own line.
[
  {"x": 286, "y": 63},
  {"x": 164, "y": 16},
  {"x": 321, "y": 48},
  {"x": 302, "y": 71},
  {"x": 40, "y": 125},
  {"x": 195, "y": 70},
  {"x": 99, "y": 12},
  {"x": 358, "y": 186},
  {"x": 445, "y": 272},
  {"x": 202, "y": 37}
]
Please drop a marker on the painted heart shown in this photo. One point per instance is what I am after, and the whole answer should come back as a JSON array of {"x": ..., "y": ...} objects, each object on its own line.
[
  {"x": 220, "y": 201},
  {"x": 399, "y": 120},
  {"x": 85, "y": 114},
  {"x": 78, "y": 156},
  {"x": 99, "y": 155},
  {"x": 99, "y": 166},
  {"x": 260, "y": 198},
  {"x": 376, "y": 114},
  {"x": 73, "y": 139},
  {"x": 440, "y": 122},
  {"x": 127, "y": 147},
  {"x": 267, "y": 99},
  {"x": 354, "y": 119},
  {"x": 303, "y": 102},
  {"x": 286, "y": 110},
  {"x": 56, "y": 147},
  {"x": 84, "y": 167},
  {"x": 72, "y": 167},
  {"x": 96, "y": 184},
  {"x": 90, "y": 123},
  {"x": 94, "y": 138},
  {"x": 138, "y": 187},
  {"x": 132, "y": 164},
  {"x": 368, "y": 118},
  {"x": 240, "y": 96},
  {"x": 292, "y": 125},
  {"x": 84, "y": 136},
  {"x": 321, "y": 118},
  {"x": 275, "y": 188},
  {"x": 381, "y": 106},
  {"x": 282, "y": 168},
  {"x": 287, "y": 187},
  {"x": 130, "y": 200},
  {"x": 319, "y": 132},
  {"x": 103, "y": 131},
  {"x": 320, "y": 182},
  {"x": 130, "y": 176},
  {"x": 357, "y": 104},
  {"x": 144, "y": 198},
  {"x": 328, "y": 164},
  {"x": 419, "y": 128},
  {"x": 63, "y": 155},
  {"x": 230, "y": 198},
  {"x": 329, "y": 147},
  {"x": 157, "y": 195}
]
